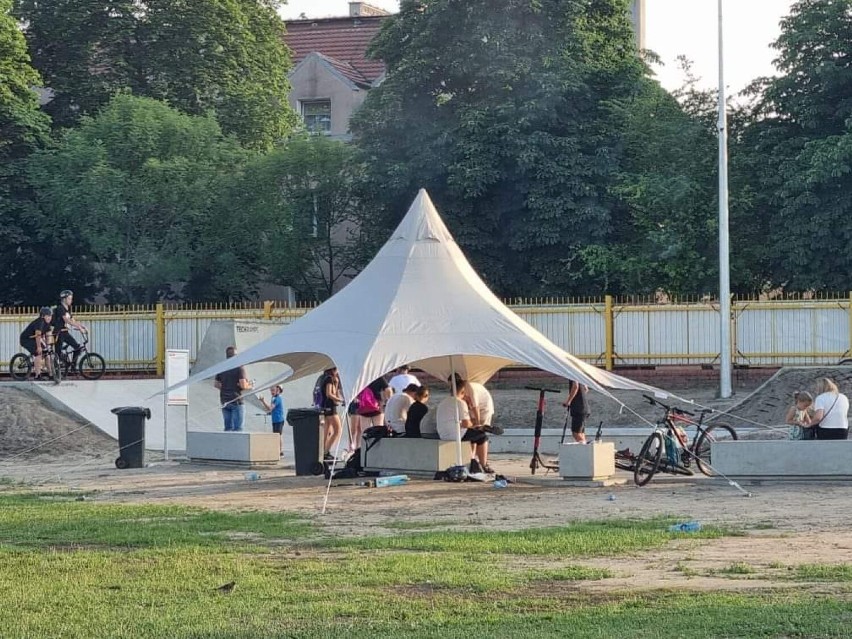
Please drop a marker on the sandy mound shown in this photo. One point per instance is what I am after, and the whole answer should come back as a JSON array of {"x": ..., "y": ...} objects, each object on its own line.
[
  {"x": 29, "y": 429},
  {"x": 769, "y": 403}
]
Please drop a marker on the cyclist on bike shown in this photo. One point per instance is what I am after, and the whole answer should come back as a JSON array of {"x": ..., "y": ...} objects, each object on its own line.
[
  {"x": 35, "y": 337},
  {"x": 62, "y": 319}
]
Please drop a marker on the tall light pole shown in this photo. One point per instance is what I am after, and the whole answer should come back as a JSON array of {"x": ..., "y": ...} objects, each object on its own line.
[{"x": 724, "y": 257}]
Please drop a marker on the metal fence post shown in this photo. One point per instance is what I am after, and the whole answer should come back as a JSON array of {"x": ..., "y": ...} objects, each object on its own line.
[
  {"x": 160, "y": 330},
  {"x": 609, "y": 333}
]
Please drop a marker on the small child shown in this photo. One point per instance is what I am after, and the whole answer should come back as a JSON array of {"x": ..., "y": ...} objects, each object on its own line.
[{"x": 799, "y": 415}]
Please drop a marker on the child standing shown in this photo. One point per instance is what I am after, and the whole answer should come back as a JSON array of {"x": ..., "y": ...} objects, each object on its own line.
[{"x": 799, "y": 416}]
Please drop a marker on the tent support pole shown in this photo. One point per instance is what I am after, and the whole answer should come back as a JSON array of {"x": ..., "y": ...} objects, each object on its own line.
[{"x": 458, "y": 416}]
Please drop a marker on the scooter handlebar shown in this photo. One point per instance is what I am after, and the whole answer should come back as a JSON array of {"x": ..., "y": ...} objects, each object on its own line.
[{"x": 546, "y": 390}]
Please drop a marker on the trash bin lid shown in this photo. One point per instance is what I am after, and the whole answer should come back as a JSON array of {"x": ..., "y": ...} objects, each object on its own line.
[
  {"x": 301, "y": 413},
  {"x": 132, "y": 410}
]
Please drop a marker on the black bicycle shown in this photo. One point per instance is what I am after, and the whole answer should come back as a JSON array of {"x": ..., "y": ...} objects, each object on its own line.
[
  {"x": 90, "y": 365},
  {"x": 668, "y": 448},
  {"x": 22, "y": 364}
]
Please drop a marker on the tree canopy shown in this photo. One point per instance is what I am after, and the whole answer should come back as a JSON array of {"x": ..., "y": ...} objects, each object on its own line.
[{"x": 222, "y": 56}]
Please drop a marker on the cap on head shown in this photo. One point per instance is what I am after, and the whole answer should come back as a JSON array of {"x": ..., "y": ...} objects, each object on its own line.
[
  {"x": 45, "y": 310},
  {"x": 66, "y": 293},
  {"x": 230, "y": 351}
]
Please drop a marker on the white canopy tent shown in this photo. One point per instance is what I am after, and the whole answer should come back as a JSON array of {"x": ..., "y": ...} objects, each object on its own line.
[{"x": 418, "y": 302}]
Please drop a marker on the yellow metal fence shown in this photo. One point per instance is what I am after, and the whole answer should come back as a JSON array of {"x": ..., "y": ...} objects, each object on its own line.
[{"x": 606, "y": 331}]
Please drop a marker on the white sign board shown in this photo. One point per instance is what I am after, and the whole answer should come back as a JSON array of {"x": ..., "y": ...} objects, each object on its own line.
[{"x": 177, "y": 370}]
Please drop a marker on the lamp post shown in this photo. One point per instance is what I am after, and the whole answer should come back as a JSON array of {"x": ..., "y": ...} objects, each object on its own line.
[{"x": 724, "y": 257}]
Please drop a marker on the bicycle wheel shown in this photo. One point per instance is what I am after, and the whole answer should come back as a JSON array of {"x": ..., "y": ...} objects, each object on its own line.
[
  {"x": 91, "y": 366},
  {"x": 648, "y": 459},
  {"x": 56, "y": 362},
  {"x": 20, "y": 367},
  {"x": 713, "y": 433}
]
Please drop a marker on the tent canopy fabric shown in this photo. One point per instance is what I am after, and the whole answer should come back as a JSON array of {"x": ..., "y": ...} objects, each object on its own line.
[{"x": 418, "y": 302}]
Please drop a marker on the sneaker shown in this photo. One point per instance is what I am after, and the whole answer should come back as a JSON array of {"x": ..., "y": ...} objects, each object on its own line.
[
  {"x": 328, "y": 457},
  {"x": 487, "y": 470},
  {"x": 474, "y": 466}
]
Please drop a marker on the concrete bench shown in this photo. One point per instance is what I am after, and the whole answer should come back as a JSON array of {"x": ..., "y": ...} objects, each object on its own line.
[
  {"x": 251, "y": 449},
  {"x": 782, "y": 458},
  {"x": 588, "y": 462},
  {"x": 411, "y": 454}
]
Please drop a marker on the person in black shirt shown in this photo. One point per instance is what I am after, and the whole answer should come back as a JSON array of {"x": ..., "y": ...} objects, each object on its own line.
[
  {"x": 416, "y": 412},
  {"x": 578, "y": 406},
  {"x": 62, "y": 319},
  {"x": 331, "y": 399},
  {"x": 35, "y": 336},
  {"x": 231, "y": 385}
]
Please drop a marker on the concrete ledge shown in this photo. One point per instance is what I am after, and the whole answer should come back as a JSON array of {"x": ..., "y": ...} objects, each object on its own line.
[
  {"x": 587, "y": 462},
  {"x": 411, "y": 455},
  {"x": 782, "y": 458},
  {"x": 243, "y": 448}
]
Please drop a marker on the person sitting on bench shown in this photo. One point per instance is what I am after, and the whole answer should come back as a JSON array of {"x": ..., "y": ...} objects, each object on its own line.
[
  {"x": 453, "y": 414},
  {"x": 396, "y": 410},
  {"x": 417, "y": 412}
]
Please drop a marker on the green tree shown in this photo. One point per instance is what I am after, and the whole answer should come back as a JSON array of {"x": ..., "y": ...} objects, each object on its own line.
[
  {"x": 799, "y": 146},
  {"x": 26, "y": 262},
  {"x": 222, "y": 56},
  {"x": 510, "y": 114},
  {"x": 132, "y": 189},
  {"x": 302, "y": 200}
]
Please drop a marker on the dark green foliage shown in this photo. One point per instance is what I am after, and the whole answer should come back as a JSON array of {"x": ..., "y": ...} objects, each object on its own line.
[
  {"x": 135, "y": 187},
  {"x": 221, "y": 56},
  {"x": 798, "y": 150},
  {"x": 509, "y": 113}
]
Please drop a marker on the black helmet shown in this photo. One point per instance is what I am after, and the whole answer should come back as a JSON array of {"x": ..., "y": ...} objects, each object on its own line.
[
  {"x": 66, "y": 293},
  {"x": 45, "y": 310}
]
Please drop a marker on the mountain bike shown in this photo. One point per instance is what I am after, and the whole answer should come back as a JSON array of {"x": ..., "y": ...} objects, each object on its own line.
[
  {"x": 22, "y": 364},
  {"x": 668, "y": 449},
  {"x": 90, "y": 365}
]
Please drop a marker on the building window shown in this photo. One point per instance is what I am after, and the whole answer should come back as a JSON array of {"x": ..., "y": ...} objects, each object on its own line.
[{"x": 317, "y": 116}]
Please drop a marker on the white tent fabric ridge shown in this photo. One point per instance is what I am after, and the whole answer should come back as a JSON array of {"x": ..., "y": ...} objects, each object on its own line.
[{"x": 418, "y": 302}]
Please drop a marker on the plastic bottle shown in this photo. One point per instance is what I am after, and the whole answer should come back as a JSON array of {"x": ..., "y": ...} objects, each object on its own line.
[
  {"x": 688, "y": 526},
  {"x": 500, "y": 483},
  {"x": 393, "y": 480},
  {"x": 252, "y": 476}
]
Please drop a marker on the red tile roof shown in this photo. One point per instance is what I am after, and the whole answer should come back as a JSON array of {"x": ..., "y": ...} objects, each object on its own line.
[{"x": 343, "y": 40}]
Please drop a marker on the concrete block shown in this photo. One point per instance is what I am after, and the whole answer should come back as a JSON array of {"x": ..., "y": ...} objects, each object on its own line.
[
  {"x": 782, "y": 458},
  {"x": 594, "y": 462},
  {"x": 246, "y": 448},
  {"x": 412, "y": 455}
]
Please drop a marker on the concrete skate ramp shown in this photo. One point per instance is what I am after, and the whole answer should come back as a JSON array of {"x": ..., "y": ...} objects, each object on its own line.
[
  {"x": 768, "y": 404},
  {"x": 92, "y": 401}
]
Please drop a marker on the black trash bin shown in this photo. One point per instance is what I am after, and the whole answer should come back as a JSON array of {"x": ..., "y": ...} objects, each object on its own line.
[
  {"x": 306, "y": 440},
  {"x": 131, "y": 436}
]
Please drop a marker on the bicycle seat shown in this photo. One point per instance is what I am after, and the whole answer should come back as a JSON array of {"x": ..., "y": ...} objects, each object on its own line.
[{"x": 704, "y": 411}]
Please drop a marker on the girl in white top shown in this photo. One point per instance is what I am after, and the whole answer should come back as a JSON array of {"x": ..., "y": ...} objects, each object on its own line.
[{"x": 831, "y": 411}]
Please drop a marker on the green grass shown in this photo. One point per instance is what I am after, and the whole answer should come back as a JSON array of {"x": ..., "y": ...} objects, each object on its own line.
[
  {"x": 585, "y": 539},
  {"x": 85, "y": 569},
  {"x": 823, "y": 572},
  {"x": 738, "y": 568}
]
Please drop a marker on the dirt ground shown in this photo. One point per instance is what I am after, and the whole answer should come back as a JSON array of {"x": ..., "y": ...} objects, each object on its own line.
[{"x": 783, "y": 524}]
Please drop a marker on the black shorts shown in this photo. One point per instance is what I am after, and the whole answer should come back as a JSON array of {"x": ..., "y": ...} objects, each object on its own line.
[
  {"x": 29, "y": 344},
  {"x": 578, "y": 424},
  {"x": 475, "y": 436},
  {"x": 66, "y": 338},
  {"x": 328, "y": 409},
  {"x": 353, "y": 407},
  {"x": 831, "y": 433},
  {"x": 277, "y": 427}
]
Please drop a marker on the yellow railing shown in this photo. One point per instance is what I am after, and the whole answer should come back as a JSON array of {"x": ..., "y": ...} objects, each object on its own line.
[{"x": 606, "y": 331}]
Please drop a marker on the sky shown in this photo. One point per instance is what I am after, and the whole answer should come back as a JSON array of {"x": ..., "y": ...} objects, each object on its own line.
[{"x": 674, "y": 27}]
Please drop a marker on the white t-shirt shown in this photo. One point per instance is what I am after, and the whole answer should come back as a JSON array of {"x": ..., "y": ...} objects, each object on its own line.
[
  {"x": 399, "y": 382},
  {"x": 446, "y": 419},
  {"x": 833, "y": 417},
  {"x": 483, "y": 401},
  {"x": 396, "y": 411}
]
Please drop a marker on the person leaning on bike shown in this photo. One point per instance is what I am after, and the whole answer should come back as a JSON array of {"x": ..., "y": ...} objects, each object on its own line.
[
  {"x": 62, "y": 319},
  {"x": 35, "y": 336}
]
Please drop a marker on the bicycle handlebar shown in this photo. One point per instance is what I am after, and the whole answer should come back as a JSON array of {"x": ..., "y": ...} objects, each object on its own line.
[
  {"x": 674, "y": 409},
  {"x": 542, "y": 390}
]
